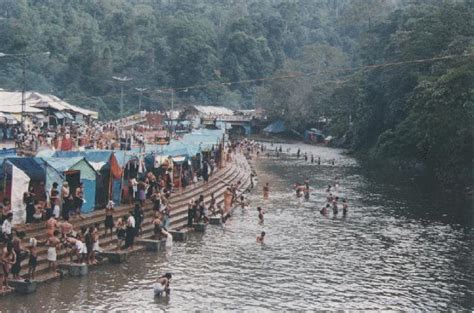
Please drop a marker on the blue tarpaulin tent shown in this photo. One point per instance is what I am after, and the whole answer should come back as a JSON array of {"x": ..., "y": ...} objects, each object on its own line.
[
  {"x": 33, "y": 167},
  {"x": 110, "y": 180},
  {"x": 60, "y": 168},
  {"x": 276, "y": 127}
]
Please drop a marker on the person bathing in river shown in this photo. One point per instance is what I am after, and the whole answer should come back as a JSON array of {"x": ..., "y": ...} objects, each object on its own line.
[
  {"x": 329, "y": 198},
  {"x": 298, "y": 153},
  {"x": 345, "y": 207},
  {"x": 305, "y": 157},
  {"x": 329, "y": 188},
  {"x": 162, "y": 285},
  {"x": 266, "y": 191},
  {"x": 335, "y": 208},
  {"x": 260, "y": 215},
  {"x": 299, "y": 190},
  {"x": 242, "y": 202},
  {"x": 324, "y": 210},
  {"x": 260, "y": 239},
  {"x": 312, "y": 158}
]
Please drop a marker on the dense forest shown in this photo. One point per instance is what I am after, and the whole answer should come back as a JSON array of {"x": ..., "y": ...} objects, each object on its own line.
[{"x": 391, "y": 77}]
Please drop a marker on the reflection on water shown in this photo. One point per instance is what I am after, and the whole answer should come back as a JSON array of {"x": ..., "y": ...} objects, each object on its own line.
[{"x": 381, "y": 256}]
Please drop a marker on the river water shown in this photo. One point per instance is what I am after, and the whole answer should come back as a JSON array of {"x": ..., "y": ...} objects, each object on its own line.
[{"x": 390, "y": 252}]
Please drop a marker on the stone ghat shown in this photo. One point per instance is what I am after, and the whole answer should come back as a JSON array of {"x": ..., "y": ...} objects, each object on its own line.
[{"x": 236, "y": 170}]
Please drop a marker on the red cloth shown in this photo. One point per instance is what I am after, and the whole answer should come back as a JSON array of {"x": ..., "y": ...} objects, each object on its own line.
[{"x": 66, "y": 144}]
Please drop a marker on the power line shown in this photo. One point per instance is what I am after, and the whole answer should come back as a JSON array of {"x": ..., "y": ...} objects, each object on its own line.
[
  {"x": 292, "y": 75},
  {"x": 333, "y": 70}
]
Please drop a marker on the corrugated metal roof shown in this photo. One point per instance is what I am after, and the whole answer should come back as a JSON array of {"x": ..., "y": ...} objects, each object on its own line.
[
  {"x": 11, "y": 102},
  {"x": 213, "y": 110}
]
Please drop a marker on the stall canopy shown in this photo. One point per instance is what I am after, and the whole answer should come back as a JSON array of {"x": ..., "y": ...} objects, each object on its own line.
[{"x": 68, "y": 169}]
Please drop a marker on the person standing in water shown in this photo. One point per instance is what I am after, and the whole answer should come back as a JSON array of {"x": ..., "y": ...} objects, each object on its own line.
[
  {"x": 162, "y": 285},
  {"x": 312, "y": 158},
  {"x": 260, "y": 239},
  {"x": 335, "y": 208},
  {"x": 345, "y": 207},
  {"x": 305, "y": 188},
  {"x": 260, "y": 215},
  {"x": 319, "y": 160},
  {"x": 298, "y": 153},
  {"x": 266, "y": 191},
  {"x": 305, "y": 157}
]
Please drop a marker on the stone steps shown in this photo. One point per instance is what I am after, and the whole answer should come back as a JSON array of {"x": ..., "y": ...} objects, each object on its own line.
[
  {"x": 39, "y": 230},
  {"x": 217, "y": 184}
]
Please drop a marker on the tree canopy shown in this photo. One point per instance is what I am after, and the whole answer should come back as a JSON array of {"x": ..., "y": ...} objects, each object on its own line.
[{"x": 350, "y": 62}]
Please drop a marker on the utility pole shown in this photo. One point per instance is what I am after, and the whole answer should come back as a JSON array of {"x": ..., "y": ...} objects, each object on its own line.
[
  {"x": 122, "y": 80},
  {"x": 172, "y": 109},
  {"x": 172, "y": 91},
  {"x": 23, "y": 91},
  {"x": 140, "y": 90}
]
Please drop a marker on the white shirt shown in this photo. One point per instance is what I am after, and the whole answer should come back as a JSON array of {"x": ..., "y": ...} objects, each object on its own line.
[
  {"x": 7, "y": 227},
  {"x": 131, "y": 221}
]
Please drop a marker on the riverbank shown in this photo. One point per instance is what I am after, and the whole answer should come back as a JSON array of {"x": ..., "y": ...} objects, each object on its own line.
[{"x": 236, "y": 170}]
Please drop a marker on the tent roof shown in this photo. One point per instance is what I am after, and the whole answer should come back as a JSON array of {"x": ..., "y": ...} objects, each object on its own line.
[
  {"x": 90, "y": 155},
  {"x": 123, "y": 157},
  {"x": 276, "y": 127},
  {"x": 63, "y": 164},
  {"x": 33, "y": 167},
  {"x": 45, "y": 153}
]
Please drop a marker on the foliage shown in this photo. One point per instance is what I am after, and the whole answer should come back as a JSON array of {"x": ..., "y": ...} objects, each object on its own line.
[{"x": 408, "y": 113}]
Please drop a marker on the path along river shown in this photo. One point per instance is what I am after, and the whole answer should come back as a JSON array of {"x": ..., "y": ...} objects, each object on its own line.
[{"x": 390, "y": 252}]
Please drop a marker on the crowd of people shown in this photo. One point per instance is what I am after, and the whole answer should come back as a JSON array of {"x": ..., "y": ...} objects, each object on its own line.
[
  {"x": 333, "y": 202},
  {"x": 58, "y": 205},
  {"x": 113, "y": 135}
]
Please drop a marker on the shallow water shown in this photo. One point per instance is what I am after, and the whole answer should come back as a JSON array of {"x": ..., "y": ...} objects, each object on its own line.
[{"x": 390, "y": 252}]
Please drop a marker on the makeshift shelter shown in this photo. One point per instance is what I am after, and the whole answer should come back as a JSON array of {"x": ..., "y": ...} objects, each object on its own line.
[
  {"x": 313, "y": 135},
  {"x": 74, "y": 170},
  {"x": 128, "y": 162},
  {"x": 276, "y": 127},
  {"x": 110, "y": 179},
  {"x": 18, "y": 175}
]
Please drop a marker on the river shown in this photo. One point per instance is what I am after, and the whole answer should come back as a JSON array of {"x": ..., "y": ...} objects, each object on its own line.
[{"x": 390, "y": 252}]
